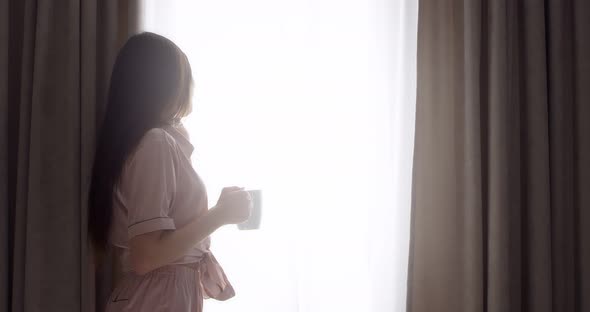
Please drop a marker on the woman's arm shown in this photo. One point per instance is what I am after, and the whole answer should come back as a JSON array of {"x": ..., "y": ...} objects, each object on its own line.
[{"x": 153, "y": 250}]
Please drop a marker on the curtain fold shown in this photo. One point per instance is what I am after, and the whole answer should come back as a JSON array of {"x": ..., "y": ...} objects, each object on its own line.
[
  {"x": 501, "y": 210},
  {"x": 56, "y": 59}
]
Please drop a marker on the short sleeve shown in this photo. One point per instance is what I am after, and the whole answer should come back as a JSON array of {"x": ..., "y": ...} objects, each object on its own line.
[{"x": 148, "y": 185}]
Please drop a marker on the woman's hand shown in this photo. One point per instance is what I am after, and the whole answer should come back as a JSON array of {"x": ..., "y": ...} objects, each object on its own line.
[
  {"x": 155, "y": 249},
  {"x": 234, "y": 205}
]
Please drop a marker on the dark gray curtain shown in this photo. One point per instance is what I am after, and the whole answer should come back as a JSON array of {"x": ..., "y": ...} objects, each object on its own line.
[
  {"x": 55, "y": 61},
  {"x": 501, "y": 190}
]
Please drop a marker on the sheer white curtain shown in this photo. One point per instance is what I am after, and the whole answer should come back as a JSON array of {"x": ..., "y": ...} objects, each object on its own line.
[{"x": 311, "y": 101}]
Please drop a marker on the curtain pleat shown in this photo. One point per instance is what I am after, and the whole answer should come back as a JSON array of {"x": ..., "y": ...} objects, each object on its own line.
[
  {"x": 56, "y": 58},
  {"x": 501, "y": 161}
]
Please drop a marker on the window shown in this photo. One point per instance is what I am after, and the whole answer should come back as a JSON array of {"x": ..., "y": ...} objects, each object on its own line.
[{"x": 311, "y": 101}]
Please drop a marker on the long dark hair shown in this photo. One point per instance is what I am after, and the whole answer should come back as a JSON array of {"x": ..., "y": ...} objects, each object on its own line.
[{"x": 150, "y": 86}]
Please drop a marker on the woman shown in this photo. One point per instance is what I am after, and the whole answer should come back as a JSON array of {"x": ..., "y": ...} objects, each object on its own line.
[{"x": 146, "y": 201}]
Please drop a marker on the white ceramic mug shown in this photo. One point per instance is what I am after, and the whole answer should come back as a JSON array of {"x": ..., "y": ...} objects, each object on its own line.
[{"x": 253, "y": 223}]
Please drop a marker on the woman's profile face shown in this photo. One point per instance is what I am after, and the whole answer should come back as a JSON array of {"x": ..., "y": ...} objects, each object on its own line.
[
  {"x": 150, "y": 83},
  {"x": 181, "y": 105}
]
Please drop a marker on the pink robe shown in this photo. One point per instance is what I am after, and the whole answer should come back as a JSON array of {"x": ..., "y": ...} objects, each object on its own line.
[{"x": 160, "y": 190}]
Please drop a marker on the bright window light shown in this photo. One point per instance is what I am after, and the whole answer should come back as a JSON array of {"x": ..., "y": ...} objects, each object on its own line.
[{"x": 311, "y": 101}]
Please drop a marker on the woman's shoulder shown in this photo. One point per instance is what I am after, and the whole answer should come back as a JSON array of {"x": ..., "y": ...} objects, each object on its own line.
[
  {"x": 157, "y": 136},
  {"x": 155, "y": 142}
]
